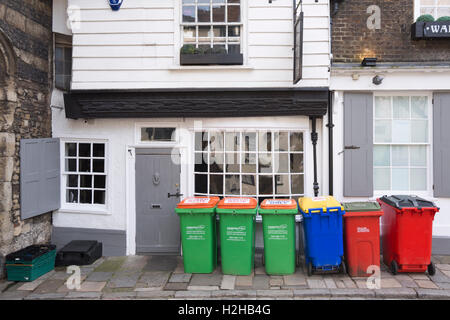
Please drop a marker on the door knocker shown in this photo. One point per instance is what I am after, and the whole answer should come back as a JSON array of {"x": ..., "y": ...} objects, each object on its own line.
[{"x": 156, "y": 179}]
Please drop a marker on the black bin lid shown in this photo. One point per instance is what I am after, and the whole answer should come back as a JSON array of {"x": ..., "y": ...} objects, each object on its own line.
[
  {"x": 30, "y": 253},
  {"x": 79, "y": 246},
  {"x": 402, "y": 201}
]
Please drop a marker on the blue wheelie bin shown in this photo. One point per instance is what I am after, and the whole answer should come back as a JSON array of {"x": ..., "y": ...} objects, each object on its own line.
[{"x": 323, "y": 234}]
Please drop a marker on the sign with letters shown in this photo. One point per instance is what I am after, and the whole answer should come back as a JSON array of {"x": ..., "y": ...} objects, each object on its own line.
[{"x": 431, "y": 30}]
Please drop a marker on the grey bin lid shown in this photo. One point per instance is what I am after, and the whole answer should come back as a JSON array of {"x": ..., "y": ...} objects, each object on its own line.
[{"x": 366, "y": 206}]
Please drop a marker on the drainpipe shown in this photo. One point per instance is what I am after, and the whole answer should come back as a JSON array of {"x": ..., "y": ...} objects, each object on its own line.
[
  {"x": 314, "y": 138},
  {"x": 330, "y": 127}
]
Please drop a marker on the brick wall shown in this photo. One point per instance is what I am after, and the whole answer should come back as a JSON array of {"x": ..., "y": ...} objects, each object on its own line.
[
  {"x": 352, "y": 40},
  {"x": 25, "y": 83}
]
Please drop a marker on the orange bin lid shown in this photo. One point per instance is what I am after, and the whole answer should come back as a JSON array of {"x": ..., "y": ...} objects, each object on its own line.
[
  {"x": 198, "y": 203},
  {"x": 288, "y": 204},
  {"x": 237, "y": 203}
]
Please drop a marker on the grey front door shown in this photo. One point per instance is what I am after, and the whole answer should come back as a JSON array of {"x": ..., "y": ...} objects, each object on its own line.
[{"x": 157, "y": 224}]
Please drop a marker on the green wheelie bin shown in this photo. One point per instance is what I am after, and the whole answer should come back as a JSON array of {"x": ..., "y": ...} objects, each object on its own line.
[
  {"x": 237, "y": 235},
  {"x": 279, "y": 235},
  {"x": 198, "y": 233}
]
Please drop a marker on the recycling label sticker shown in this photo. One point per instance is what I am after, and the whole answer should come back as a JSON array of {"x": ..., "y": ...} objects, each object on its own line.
[
  {"x": 279, "y": 202},
  {"x": 237, "y": 201},
  {"x": 196, "y": 201},
  {"x": 319, "y": 199},
  {"x": 238, "y": 234},
  {"x": 279, "y": 232},
  {"x": 196, "y": 232}
]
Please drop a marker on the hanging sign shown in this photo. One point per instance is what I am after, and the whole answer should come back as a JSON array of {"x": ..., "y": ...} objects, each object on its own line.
[{"x": 115, "y": 4}]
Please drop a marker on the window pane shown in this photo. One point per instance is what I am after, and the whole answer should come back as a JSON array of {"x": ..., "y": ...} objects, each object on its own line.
[
  {"x": 216, "y": 184},
  {"x": 71, "y": 165},
  {"x": 72, "y": 196},
  {"x": 203, "y": 13},
  {"x": 86, "y": 196},
  {"x": 84, "y": 165},
  {"x": 400, "y": 156},
  {"x": 220, "y": 33},
  {"x": 216, "y": 141},
  {"x": 232, "y": 48},
  {"x": 218, "y": 13},
  {"x": 281, "y": 162},
  {"x": 99, "y": 182},
  {"x": 232, "y": 162},
  {"x": 204, "y": 34},
  {"x": 72, "y": 181},
  {"x": 234, "y": 31},
  {"x": 265, "y": 141},
  {"x": 296, "y": 163},
  {"x": 419, "y": 131},
  {"x": 232, "y": 141},
  {"x": 158, "y": 134},
  {"x": 265, "y": 162},
  {"x": 249, "y": 140},
  {"x": 418, "y": 179},
  {"x": 233, "y": 1},
  {"x": 71, "y": 149},
  {"x": 201, "y": 141},
  {"x": 383, "y": 131},
  {"x": 98, "y": 165},
  {"x": 282, "y": 184},
  {"x": 232, "y": 185},
  {"x": 418, "y": 156},
  {"x": 401, "y": 130},
  {"x": 265, "y": 184},
  {"x": 249, "y": 162},
  {"x": 401, "y": 108},
  {"x": 189, "y": 34},
  {"x": 234, "y": 14},
  {"x": 216, "y": 161},
  {"x": 84, "y": 150},
  {"x": 281, "y": 141},
  {"x": 201, "y": 164},
  {"x": 248, "y": 185},
  {"x": 99, "y": 149},
  {"x": 188, "y": 14},
  {"x": 296, "y": 141},
  {"x": 400, "y": 179},
  {"x": 383, "y": 107},
  {"x": 99, "y": 197},
  {"x": 297, "y": 184},
  {"x": 201, "y": 183},
  {"x": 381, "y": 156},
  {"x": 419, "y": 107},
  {"x": 85, "y": 181},
  {"x": 382, "y": 179}
]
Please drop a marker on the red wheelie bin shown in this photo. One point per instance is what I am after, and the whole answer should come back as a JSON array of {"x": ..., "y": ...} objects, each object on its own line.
[{"x": 407, "y": 233}]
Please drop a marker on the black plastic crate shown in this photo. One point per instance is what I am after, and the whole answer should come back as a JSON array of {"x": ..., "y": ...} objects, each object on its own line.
[{"x": 79, "y": 252}]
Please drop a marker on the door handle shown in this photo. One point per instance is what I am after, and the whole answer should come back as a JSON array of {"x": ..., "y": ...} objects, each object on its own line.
[
  {"x": 178, "y": 194},
  {"x": 349, "y": 148},
  {"x": 156, "y": 206}
]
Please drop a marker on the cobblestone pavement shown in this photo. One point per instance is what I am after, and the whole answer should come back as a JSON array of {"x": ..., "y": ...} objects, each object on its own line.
[{"x": 162, "y": 277}]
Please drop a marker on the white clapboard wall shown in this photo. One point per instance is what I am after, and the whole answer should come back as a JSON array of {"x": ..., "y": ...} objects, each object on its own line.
[{"x": 137, "y": 47}]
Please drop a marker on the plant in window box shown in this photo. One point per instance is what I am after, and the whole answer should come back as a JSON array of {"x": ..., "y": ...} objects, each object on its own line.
[
  {"x": 428, "y": 28},
  {"x": 190, "y": 55}
]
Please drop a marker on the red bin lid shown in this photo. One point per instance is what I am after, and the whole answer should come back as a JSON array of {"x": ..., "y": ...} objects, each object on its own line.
[
  {"x": 198, "y": 203},
  {"x": 237, "y": 203}
]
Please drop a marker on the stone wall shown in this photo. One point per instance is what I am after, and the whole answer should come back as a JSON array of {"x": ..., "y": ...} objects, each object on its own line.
[
  {"x": 25, "y": 83},
  {"x": 352, "y": 40}
]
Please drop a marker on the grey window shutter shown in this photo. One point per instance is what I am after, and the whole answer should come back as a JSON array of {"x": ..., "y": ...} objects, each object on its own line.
[
  {"x": 39, "y": 176},
  {"x": 358, "y": 144},
  {"x": 441, "y": 144}
]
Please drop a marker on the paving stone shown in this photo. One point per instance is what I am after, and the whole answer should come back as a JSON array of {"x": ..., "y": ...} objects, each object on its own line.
[
  {"x": 4, "y": 285},
  {"x": 85, "y": 271},
  {"x": 443, "y": 285},
  {"x": 444, "y": 259},
  {"x": 402, "y": 277},
  {"x": 396, "y": 293},
  {"x": 91, "y": 286},
  {"x": 30, "y": 286},
  {"x": 140, "y": 288},
  {"x": 203, "y": 288},
  {"x": 45, "y": 296},
  {"x": 433, "y": 294},
  {"x": 279, "y": 288},
  {"x": 134, "y": 264},
  {"x": 309, "y": 293},
  {"x": 60, "y": 275},
  {"x": 180, "y": 277},
  {"x": 444, "y": 267},
  {"x": 330, "y": 284},
  {"x": 234, "y": 293},
  {"x": 111, "y": 264},
  {"x": 294, "y": 280},
  {"x": 13, "y": 295},
  {"x": 83, "y": 295},
  {"x": 228, "y": 282},
  {"x": 206, "y": 280},
  {"x": 361, "y": 284},
  {"x": 176, "y": 286},
  {"x": 155, "y": 279},
  {"x": 409, "y": 283},
  {"x": 276, "y": 281},
  {"x": 49, "y": 286},
  {"x": 119, "y": 295},
  {"x": 316, "y": 284},
  {"x": 441, "y": 276},
  {"x": 261, "y": 282},
  {"x": 419, "y": 276},
  {"x": 161, "y": 263},
  {"x": 340, "y": 284},
  {"x": 244, "y": 281},
  {"x": 124, "y": 280},
  {"x": 155, "y": 294},
  {"x": 390, "y": 283},
  {"x": 349, "y": 283},
  {"x": 426, "y": 284},
  {"x": 179, "y": 268},
  {"x": 275, "y": 293},
  {"x": 260, "y": 270},
  {"x": 360, "y": 293},
  {"x": 192, "y": 294},
  {"x": 99, "y": 276}
]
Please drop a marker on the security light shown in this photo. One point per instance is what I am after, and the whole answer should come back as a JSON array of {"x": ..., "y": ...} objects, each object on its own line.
[{"x": 369, "y": 62}]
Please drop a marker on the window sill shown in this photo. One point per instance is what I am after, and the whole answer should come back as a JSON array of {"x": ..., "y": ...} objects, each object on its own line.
[
  {"x": 83, "y": 211},
  {"x": 210, "y": 67}
]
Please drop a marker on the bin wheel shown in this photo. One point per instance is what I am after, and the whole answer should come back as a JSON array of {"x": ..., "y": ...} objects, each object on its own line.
[
  {"x": 343, "y": 267},
  {"x": 263, "y": 260},
  {"x": 431, "y": 269},
  {"x": 394, "y": 267},
  {"x": 310, "y": 269}
]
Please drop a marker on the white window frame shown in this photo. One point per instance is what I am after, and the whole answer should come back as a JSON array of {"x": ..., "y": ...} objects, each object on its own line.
[
  {"x": 429, "y": 190},
  {"x": 84, "y": 207},
  {"x": 417, "y": 9},
  {"x": 257, "y": 174},
  {"x": 140, "y": 125}
]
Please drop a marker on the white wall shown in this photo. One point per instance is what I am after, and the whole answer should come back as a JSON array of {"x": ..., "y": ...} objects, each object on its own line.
[
  {"x": 400, "y": 81},
  {"x": 138, "y": 47},
  {"x": 60, "y": 17}
]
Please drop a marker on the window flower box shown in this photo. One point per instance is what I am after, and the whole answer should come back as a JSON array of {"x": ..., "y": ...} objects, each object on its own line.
[
  {"x": 430, "y": 30},
  {"x": 187, "y": 59}
]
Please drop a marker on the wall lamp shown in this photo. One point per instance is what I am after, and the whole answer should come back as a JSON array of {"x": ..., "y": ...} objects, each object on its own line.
[{"x": 369, "y": 62}]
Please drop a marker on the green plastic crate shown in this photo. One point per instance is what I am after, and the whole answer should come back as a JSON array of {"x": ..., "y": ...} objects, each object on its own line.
[{"x": 26, "y": 271}]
